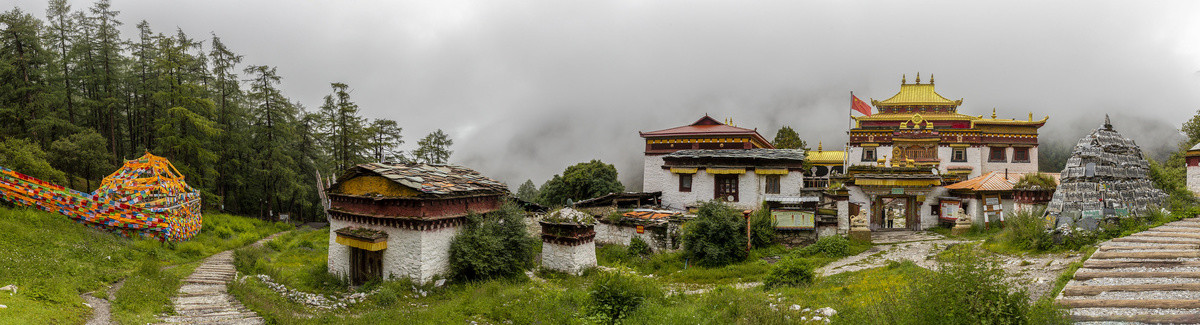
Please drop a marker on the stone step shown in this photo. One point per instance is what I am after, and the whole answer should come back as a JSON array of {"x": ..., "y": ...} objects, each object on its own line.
[
  {"x": 1147, "y": 255},
  {"x": 1107, "y": 264},
  {"x": 1142, "y": 318},
  {"x": 1159, "y": 246},
  {"x": 1130, "y": 303},
  {"x": 1150, "y": 240},
  {"x": 1093, "y": 275},
  {"x": 1153, "y": 233},
  {"x": 1084, "y": 290}
]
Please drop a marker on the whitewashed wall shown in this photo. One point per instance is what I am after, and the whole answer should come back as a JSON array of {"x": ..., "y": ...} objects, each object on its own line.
[
  {"x": 751, "y": 188},
  {"x": 621, "y": 235},
  {"x": 654, "y": 178},
  {"x": 1193, "y": 179},
  {"x": 413, "y": 254},
  {"x": 569, "y": 259}
]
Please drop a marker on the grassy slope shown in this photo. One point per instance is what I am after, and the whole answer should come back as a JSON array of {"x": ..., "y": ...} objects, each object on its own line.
[
  {"x": 52, "y": 259},
  {"x": 556, "y": 300}
]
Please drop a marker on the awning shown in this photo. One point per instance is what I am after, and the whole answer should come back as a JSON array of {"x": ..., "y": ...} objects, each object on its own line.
[
  {"x": 728, "y": 171},
  {"x": 362, "y": 238},
  {"x": 683, "y": 170},
  {"x": 769, "y": 171}
]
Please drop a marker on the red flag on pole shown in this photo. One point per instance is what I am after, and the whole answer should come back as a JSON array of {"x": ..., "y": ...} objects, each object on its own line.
[{"x": 859, "y": 105}]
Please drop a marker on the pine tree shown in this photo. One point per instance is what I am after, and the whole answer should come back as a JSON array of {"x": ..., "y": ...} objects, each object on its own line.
[
  {"x": 527, "y": 192},
  {"x": 434, "y": 148},
  {"x": 23, "y": 90},
  {"x": 272, "y": 117},
  {"x": 384, "y": 139},
  {"x": 343, "y": 129}
]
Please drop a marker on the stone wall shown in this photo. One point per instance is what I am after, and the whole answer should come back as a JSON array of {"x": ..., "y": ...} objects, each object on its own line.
[
  {"x": 607, "y": 233},
  {"x": 414, "y": 254},
  {"x": 568, "y": 258}
]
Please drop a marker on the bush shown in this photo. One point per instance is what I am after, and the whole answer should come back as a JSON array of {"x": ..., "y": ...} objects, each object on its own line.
[
  {"x": 830, "y": 246},
  {"x": 614, "y": 295},
  {"x": 1027, "y": 230},
  {"x": 716, "y": 237},
  {"x": 638, "y": 247},
  {"x": 494, "y": 245},
  {"x": 762, "y": 227},
  {"x": 790, "y": 272},
  {"x": 970, "y": 287}
]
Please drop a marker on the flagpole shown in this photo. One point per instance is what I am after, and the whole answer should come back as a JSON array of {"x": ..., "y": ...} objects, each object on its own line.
[{"x": 849, "y": 125}]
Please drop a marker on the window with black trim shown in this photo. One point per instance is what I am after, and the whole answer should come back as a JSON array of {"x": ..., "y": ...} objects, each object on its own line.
[
  {"x": 772, "y": 184},
  {"x": 960, "y": 155},
  {"x": 868, "y": 154},
  {"x": 685, "y": 182},
  {"x": 1020, "y": 154},
  {"x": 997, "y": 154}
]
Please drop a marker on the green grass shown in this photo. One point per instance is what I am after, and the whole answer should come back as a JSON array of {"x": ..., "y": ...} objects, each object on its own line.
[
  {"x": 52, "y": 260},
  {"x": 675, "y": 267}
]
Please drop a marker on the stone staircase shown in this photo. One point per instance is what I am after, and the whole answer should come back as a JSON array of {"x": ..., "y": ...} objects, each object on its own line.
[
  {"x": 203, "y": 298},
  {"x": 1151, "y": 277}
]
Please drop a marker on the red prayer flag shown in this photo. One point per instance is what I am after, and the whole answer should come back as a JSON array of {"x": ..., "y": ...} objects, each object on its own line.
[{"x": 859, "y": 105}]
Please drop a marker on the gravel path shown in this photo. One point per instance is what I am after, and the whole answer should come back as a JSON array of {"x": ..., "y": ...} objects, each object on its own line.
[
  {"x": 203, "y": 298},
  {"x": 1133, "y": 280}
]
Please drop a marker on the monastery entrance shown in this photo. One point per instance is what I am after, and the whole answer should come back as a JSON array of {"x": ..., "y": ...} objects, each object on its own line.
[
  {"x": 365, "y": 265},
  {"x": 894, "y": 212}
]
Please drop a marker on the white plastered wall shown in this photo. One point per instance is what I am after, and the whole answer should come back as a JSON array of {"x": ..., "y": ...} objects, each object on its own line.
[
  {"x": 654, "y": 178},
  {"x": 1193, "y": 179},
  {"x": 751, "y": 188},
  {"x": 414, "y": 254},
  {"x": 569, "y": 259}
]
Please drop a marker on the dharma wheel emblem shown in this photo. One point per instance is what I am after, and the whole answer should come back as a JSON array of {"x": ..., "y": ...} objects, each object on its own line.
[{"x": 917, "y": 119}]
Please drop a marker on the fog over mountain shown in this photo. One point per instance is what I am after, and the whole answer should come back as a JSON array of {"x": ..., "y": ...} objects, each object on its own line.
[{"x": 526, "y": 88}]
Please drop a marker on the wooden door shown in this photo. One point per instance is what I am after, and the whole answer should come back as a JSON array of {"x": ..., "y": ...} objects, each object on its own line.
[
  {"x": 725, "y": 187},
  {"x": 365, "y": 265}
]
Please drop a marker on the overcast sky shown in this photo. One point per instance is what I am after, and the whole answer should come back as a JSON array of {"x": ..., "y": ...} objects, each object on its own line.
[{"x": 526, "y": 88}]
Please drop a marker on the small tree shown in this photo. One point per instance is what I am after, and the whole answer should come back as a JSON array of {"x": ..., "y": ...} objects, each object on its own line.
[
  {"x": 716, "y": 237},
  {"x": 383, "y": 138},
  {"x": 82, "y": 154},
  {"x": 527, "y": 192},
  {"x": 581, "y": 181},
  {"x": 493, "y": 245},
  {"x": 27, "y": 158},
  {"x": 762, "y": 227},
  {"x": 786, "y": 138},
  {"x": 434, "y": 148}
]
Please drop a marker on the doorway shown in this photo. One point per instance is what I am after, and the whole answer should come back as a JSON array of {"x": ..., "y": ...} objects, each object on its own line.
[
  {"x": 365, "y": 265},
  {"x": 894, "y": 213}
]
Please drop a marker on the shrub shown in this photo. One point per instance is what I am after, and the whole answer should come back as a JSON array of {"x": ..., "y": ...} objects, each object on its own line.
[
  {"x": 830, "y": 246},
  {"x": 762, "y": 227},
  {"x": 614, "y": 295},
  {"x": 716, "y": 237},
  {"x": 1027, "y": 230},
  {"x": 492, "y": 246},
  {"x": 638, "y": 247},
  {"x": 790, "y": 272},
  {"x": 970, "y": 287}
]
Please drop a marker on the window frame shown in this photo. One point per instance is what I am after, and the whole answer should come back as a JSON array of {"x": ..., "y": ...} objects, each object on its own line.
[
  {"x": 864, "y": 154},
  {"x": 689, "y": 182},
  {"x": 772, "y": 184},
  {"x": 721, "y": 178},
  {"x": 1024, "y": 150},
  {"x": 955, "y": 155},
  {"x": 1003, "y": 154}
]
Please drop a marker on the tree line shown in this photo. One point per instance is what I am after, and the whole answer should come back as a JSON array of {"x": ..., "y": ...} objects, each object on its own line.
[{"x": 77, "y": 98}]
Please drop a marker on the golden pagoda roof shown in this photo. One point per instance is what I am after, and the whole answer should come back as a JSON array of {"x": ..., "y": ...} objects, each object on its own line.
[
  {"x": 917, "y": 95},
  {"x": 822, "y": 157}
]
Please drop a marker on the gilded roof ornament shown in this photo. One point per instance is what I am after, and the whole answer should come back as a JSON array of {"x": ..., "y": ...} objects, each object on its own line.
[
  {"x": 930, "y": 78},
  {"x": 820, "y": 147},
  {"x": 993, "y": 113},
  {"x": 918, "y": 78}
]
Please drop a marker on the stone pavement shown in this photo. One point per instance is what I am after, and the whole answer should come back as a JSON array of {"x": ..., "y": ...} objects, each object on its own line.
[{"x": 204, "y": 298}]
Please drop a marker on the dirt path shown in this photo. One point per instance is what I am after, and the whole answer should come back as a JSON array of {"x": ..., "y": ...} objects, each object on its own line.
[
  {"x": 204, "y": 299},
  {"x": 1148, "y": 277}
]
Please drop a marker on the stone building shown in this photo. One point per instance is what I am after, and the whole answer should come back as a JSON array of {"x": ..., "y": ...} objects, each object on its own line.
[
  {"x": 743, "y": 178},
  {"x": 705, "y": 133},
  {"x": 397, "y": 220},
  {"x": 1192, "y": 157},
  {"x": 1106, "y": 176},
  {"x": 568, "y": 241}
]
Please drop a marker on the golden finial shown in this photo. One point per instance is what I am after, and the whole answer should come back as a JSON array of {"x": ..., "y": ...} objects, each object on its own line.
[
  {"x": 1031, "y": 116},
  {"x": 930, "y": 78},
  {"x": 820, "y": 147},
  {"x": 903, "y": 79},
  {"x": 918, "y": 78},
  {"x": 993, "y": 113}
]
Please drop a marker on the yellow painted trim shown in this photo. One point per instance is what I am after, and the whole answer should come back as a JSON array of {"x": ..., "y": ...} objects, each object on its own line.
[
  {"x": 725, "y": 171},
  {"x": 684, "y": 170},
  {"x": 360, "y": 244},
  {"x": 898, "y": 182},
  {"x": 869, "y": 145},
  {"x": 764, "y": 171},
  {"x": 960, "y": 145}
]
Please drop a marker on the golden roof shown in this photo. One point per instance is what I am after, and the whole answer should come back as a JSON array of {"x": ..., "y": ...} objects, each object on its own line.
[
  {"x": 822, "y": 157},
  {"x": 917, "y": 94}
]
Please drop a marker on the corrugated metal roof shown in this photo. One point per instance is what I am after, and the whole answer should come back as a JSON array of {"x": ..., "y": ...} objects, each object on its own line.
[
  {"x": 917, "y": 94},
  {"x": 826, "y": 157},
  {"x": 430, "y": 179},
  {"x": 993, "y": 181}
]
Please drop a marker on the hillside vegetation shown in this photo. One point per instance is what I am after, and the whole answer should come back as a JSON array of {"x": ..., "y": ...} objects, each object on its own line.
[{"x": 52, "y": 260}]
